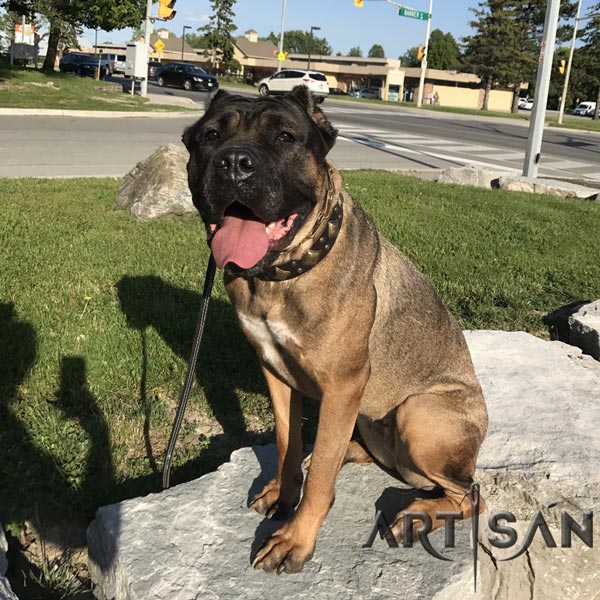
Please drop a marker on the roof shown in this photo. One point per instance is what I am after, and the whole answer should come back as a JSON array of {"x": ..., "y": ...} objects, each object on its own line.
[
  {"x": 172, "y": 44},
  {"x": 260, "y": 49}
]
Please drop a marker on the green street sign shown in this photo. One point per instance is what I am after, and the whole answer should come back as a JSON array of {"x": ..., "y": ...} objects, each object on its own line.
[{"x": 413, "y": 14}]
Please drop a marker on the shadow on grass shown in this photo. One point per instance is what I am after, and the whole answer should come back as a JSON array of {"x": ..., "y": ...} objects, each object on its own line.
[{"x": 226, "y": 362}]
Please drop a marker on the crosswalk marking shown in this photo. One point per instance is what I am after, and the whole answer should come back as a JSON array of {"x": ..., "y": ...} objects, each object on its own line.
[{"x": 483, "y": 155}]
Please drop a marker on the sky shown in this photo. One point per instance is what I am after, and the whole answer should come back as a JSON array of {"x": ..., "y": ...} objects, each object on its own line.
[{"x": 341, "y": 23}]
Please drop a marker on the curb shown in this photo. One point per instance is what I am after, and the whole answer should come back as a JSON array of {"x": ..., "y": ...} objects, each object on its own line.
[{"x": 98, "y": 114}]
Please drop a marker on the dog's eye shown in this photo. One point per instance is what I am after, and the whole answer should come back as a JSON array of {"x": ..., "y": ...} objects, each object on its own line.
[
  {"x": 286, "y": 136},
  {"x": 212, "y": 135}
]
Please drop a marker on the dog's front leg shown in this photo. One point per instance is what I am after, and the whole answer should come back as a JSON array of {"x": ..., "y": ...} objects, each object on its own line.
[
  {"x": 294, "y": 543},
  {"x": 281, "y": 495}
]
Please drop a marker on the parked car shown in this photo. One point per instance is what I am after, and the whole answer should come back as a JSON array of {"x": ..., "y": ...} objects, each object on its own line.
[
  {"x": 186, "y": 75},
  {"x": 83, "y": 65},
  {"x": 287, "y": 79},
  {"x": 526, "y": 103},
  {"x": 585, "y": 109},
  {"x": 113, "y": 63},
  {"x": 153, "y": 67},
  {"x": 372, "y": 93},
  {"x": 337, "y": 92}
]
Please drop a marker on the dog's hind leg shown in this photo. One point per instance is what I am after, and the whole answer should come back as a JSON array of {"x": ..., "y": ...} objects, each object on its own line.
[
  {"x": 436, "y": 445},
  {"x": 281, "y": 495}
]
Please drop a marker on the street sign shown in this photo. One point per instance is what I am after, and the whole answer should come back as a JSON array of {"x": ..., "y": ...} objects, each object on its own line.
[
  {"x": 159, "y": 46},
  {"x": 413, "y": 14}
]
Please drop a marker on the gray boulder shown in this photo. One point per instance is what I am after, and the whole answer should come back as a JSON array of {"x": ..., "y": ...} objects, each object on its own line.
[
  {"x": 471, "y": 175},
  {"x": 6, "y": 592},
  {"x": 584, "y": 329},
  {"x": 157, "y": 186},
  {"x": 542, "y": 452},
  {"x": 552, "y": 187}
]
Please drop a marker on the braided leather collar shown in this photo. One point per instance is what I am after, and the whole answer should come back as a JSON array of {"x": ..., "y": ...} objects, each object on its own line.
[{"x": 317, "y": 252}]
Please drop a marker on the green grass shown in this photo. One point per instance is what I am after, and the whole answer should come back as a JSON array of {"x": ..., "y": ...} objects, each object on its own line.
[
  {"x": 27, "y": 88},
  {"x": 97, "y": 313}
]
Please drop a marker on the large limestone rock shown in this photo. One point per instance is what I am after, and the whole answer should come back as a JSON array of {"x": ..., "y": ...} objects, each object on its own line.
[
  {"x": 471, "y": 175},
  {"x": 158, "y": 185},
  {"x": 542, "y": 453},
  {"x": 552, "y": 187},
  {"x": 584, "y": 329},
  {"x": 6, "y": 592}
]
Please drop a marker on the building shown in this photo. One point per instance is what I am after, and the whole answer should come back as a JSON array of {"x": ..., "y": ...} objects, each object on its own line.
[{"x": 258, "y": 59}]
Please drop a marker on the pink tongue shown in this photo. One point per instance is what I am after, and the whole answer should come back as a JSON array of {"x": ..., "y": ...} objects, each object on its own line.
[{"x": 240, "y": 241}]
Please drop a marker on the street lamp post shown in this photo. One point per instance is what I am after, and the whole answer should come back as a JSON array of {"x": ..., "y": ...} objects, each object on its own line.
[
  {"x": 183, "y": 38},
  {"x": 279, "y": 62},
  {"x": 312, "y": 28},
  {"x": 563, "y": 99}
]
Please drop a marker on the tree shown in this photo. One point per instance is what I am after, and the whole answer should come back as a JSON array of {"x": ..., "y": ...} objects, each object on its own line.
[
  {"x": 217, "y": 32},
  {"x": 376, "y": 51},
  {"x": 195, "y": 40},
  {"x": 356, "y": 51},
  {"x": 443, "y": 52},
  {"x": 297, "y": 41},
  {"x": 66, "y": 18},
  {"x": 410, "y": 58},
  {"x": 590, "y": 54},
  {"x": 500, "y": 51}
]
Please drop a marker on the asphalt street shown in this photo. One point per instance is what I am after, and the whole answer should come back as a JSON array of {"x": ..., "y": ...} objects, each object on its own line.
[{"x": 369, "y": 137}]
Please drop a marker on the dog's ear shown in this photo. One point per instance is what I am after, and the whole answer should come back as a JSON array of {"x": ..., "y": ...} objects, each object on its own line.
[{"x": 307, "y": 101}]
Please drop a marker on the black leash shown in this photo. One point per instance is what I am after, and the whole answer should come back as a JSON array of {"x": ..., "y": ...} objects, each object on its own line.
[{"x": 189, "y": 378}]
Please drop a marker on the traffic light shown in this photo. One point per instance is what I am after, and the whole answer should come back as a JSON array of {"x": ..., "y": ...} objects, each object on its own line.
[
  {"x": 165, "y": 9},
  {"x": 562, "y": 67},
  {"x": 420, "y": 52},
  {"x": 358, "y": 3}
]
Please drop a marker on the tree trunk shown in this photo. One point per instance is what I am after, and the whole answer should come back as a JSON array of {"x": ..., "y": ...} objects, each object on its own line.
[
  {"x": 486, "y": 94},
  {"x": 597, "y": 110},
  {"x": 515, "y": 101},
  {"x": 52, "y": 51}
]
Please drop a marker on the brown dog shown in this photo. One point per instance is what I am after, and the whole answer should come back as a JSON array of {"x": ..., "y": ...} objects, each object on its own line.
[{"x": 336, "y": 313}]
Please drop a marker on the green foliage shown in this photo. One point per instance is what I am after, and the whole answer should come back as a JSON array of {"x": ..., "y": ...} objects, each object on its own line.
[
  {"x": 589, "y": 56},
  {"x": 409, "y": 58},
  {"x": 218, "y": 32},
  {"x": 297, "y": 41},
  {"x": 195, "y": 40},
  {"x": 376, "y": 51},
  {"x": 443, "y": 52},
  {"x": 355, "y": 51}
]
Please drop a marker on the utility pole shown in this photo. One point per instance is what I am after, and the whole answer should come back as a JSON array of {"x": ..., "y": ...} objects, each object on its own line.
[
  {"x": 424, "y": 61},
  {"x": 542, "y": 84},
  {"x": 279, "y": 62},
  {"x": 563, "y": 99},
  {"x": 312, "y": 28},
  {"x": 147, "y": 32}
]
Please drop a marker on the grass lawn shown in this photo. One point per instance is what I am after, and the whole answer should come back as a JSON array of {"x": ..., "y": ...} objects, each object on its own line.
[
  {"x": 97, "y": 313},
  {"x": 26, "y": 88}
]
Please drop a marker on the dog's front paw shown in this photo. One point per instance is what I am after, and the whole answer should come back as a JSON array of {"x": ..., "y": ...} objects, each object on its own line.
[
  {"x": 274, "y": 503},
  {"x": 285, "y": 551}
]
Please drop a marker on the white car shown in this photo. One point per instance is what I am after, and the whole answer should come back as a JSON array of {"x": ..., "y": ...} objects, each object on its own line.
[
  {"x": 287, "y": 79},
  {"x": 526, "y": 103}
]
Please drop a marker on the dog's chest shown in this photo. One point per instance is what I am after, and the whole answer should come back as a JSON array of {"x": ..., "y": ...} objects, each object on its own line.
[{"x": 275, "y": 341}]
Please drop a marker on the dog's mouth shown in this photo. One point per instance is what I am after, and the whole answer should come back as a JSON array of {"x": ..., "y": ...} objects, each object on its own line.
[{"x": 244, "y": 239}]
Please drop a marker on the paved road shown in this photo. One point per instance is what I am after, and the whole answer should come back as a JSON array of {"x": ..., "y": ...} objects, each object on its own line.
[{"x": 370, "y": 137}]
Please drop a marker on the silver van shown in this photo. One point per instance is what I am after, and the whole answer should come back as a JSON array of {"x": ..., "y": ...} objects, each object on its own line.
[
  {"x": 113, "y": 63},
  {"x": 585, "y": 109}
]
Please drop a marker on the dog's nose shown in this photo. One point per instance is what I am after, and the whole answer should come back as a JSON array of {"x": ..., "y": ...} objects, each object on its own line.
[{"x": 235, "y": 163}]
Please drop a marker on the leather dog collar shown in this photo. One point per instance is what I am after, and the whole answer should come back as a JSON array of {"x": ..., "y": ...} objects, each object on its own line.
[{"x": 317, "y": 252}]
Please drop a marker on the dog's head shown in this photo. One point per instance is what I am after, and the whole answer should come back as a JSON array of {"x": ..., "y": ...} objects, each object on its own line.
[{"x": 256, "y": 172}]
